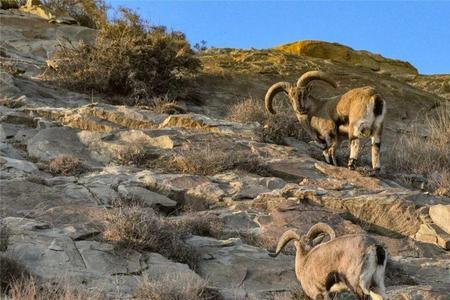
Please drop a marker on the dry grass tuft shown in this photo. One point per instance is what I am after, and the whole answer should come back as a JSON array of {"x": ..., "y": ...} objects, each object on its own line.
[
  {"x": 428, "y": 156},
  {"x": 276, "y": 127},
  {"x": 66, "y": 165},
  {"x": 207, "y": 161},
  {"x": 136, "y": 156},
  {"x": 140, "y": 228},
  {"x": 129, "y": 58},
  {"x": 198, "y": 224},
  {"x": 29, "y": 288},
  {"x": 11, "y": 271},
  {"x": 175, "y": 287},
  {"x": 164, "y": 105}
]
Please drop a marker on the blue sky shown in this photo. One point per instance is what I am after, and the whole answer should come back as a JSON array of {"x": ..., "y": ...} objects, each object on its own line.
[{"x": 415, "y": 31}]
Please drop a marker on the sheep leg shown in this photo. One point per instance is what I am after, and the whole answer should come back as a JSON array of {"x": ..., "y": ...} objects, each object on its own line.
[
  {"x": 326, "y": 155},
  {"x": 354, "y": 150},
  {"x": 378, "y": 281},
  {"x": 329, "y": 153},
  {"x": 326, "y": 151},
  {"x": 376, "y": 144},
  {"x": 332, "y": 151}
]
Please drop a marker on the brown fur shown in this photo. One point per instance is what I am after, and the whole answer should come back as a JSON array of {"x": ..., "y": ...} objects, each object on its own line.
[
  {"x": 358, "y": 113},
  {"x": 349, "y": 256}
]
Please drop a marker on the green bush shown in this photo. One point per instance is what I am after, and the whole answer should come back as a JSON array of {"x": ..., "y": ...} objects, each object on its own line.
[{"x": 129, "y": 58}]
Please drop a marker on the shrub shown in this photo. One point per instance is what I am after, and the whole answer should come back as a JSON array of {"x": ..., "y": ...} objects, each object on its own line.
[
  {"x": 276, "y": 127},
  {"x": 135, "y": 155},
  {"x": 428, "y": 156},
  {"x": 140, "y": 228},
  {"x": 66, "y": 165},
  {"x": 129, "y": 58},
  {"x": 198, "y": 224},
  {"x": 89, "y": 13},
  {"x": 205, "y": 161},
  {"x": 174, "y": 287}
]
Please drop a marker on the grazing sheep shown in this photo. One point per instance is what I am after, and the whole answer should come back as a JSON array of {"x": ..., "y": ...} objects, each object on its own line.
[
  {"x": 358, "y": 113},
  {"x": 353, "y": 262}
]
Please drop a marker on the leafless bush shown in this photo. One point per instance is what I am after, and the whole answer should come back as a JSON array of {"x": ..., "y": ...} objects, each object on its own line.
[
  {"x": 207, "y": 161},
  {"x": 428, "y": 156},
  {"x": 130, "y": 59},
  {"x": 174, "y": 287},
  {"x": 89, "y": 13},
  {"x": 140, "y": 228},
  {"x": 165, "y": 105},
  {"x": 276, "y": 127},
  {"x": 66, "y": 165},
  {"x": 11, "y": 271}
]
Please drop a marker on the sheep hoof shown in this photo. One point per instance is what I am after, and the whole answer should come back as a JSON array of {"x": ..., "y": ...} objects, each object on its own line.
[
  {"x": 351, "y": 164},
  {"x": 273, "y": 254}
]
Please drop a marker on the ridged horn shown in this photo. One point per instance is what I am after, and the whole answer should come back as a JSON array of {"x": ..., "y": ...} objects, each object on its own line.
[
  {"x": 319, "y": 228},
  {"x": 315, "y": 75},
  {"x": 272, "y": 91},
  {"x": 284, "y": 239}
]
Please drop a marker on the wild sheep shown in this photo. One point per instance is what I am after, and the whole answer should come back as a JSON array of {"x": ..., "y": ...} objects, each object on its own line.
[
  {"x": 358, "y": 113},
  {"x": 353, "y": 262}
]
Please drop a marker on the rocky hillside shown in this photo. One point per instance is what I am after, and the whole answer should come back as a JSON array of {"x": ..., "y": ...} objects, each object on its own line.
[
  {"x": 68, "y": 223},
  {"x": 341, "y": 53}
]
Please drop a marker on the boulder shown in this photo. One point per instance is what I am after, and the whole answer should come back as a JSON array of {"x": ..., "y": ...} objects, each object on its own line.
[
  {"x": 144, "y": 196},
  {"x": 22, "y": 197},
  {"x": 50, "y": 143},
  {"x": 197, "y": 121},
  {"x": 241, "y": 271},
  {"x": 440, "y": 214},
  {"x": 50, "y": 254}
]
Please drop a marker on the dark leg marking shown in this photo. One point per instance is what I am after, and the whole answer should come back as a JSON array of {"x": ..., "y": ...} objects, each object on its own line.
[
  {"x": 332, "y": 279},
  {"x": 378, "y": 107},
  {"x": 378, "y": 145},
  {"x": 381, "y": 254}
]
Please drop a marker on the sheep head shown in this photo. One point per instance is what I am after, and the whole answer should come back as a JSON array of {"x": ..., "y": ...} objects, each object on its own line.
[{"x": 297, "y": 94}]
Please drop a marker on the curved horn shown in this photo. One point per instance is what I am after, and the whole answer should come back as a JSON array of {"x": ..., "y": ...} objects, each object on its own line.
[
  {"x": 315, "y": 75},
  {"x": 319, "y": 228},
  {"x": 284, "y": 239},
  {"x": 273, "y": 90}
]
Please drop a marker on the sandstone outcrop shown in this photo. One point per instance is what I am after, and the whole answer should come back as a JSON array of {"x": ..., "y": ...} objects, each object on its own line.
[{"x": 344, "y": 54}]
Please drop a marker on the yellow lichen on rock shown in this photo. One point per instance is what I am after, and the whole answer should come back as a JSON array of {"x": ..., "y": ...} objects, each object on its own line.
[{"x": 341, "y": 53}]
